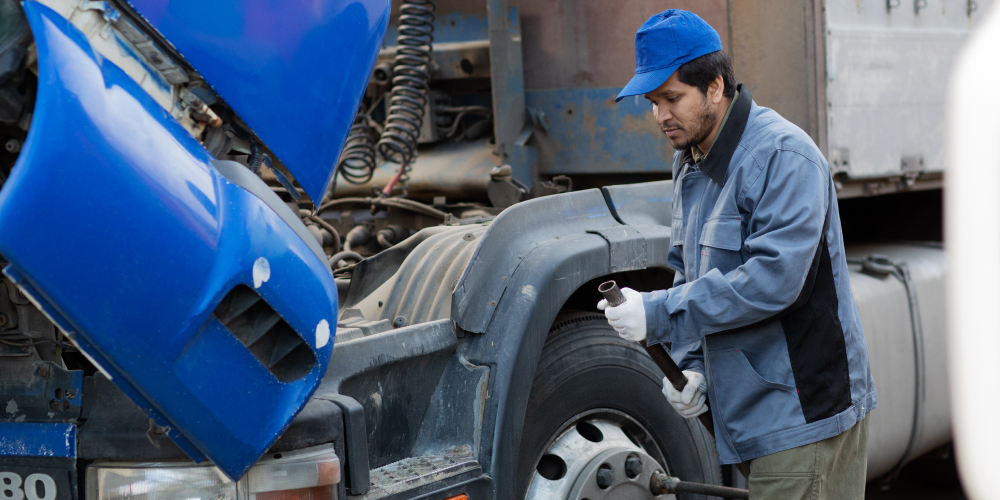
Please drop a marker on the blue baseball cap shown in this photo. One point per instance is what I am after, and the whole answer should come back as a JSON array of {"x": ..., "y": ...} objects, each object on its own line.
[{"x": 665, "y": 42}]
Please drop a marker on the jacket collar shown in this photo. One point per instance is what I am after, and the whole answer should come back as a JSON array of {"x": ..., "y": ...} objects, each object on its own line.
[{"x": 716, "y": 163}]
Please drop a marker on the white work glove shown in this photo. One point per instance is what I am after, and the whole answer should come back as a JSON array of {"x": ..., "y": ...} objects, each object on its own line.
[
  {"x": 628, "y": 319},
  {"x": 691, "y": 401}
]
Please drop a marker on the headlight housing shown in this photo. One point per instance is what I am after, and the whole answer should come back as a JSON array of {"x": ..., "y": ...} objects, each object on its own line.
[{"x": 308, "y": 474}]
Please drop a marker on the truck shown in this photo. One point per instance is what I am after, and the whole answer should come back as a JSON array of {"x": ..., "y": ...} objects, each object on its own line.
[{"x": 351, "y": 248}]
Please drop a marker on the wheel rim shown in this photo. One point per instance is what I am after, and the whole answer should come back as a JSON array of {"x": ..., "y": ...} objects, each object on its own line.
[{"x": 600, "y": 454}]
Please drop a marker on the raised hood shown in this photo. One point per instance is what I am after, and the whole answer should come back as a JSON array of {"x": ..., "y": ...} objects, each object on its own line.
[
  {"x": 190, "y": 285},
  {"x": 293, "y": 70}
]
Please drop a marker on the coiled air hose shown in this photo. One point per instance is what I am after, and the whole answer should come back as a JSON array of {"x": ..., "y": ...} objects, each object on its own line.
[
  {"x": 357, "y": 161},
  {"x": 408, "y": 99}
]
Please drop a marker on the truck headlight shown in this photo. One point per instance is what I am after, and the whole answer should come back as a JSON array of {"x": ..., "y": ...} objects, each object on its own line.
[{"x": 309, "y": 474}]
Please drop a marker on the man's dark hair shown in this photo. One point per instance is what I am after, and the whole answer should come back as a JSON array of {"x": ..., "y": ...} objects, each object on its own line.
[{"x": 702, "y": 71}]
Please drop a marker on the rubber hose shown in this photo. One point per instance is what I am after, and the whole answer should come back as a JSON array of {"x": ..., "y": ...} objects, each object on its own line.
[{"x": 337, "y": 257}]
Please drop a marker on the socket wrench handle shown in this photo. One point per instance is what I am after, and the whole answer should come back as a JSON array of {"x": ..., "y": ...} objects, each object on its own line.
[
  {"x": 611, "y": 292},
  {"x": 676, "y": 377}
]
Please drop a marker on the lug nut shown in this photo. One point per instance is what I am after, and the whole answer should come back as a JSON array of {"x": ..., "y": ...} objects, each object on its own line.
[
  {"x": 605, "y": 476},
  {"x": 633, "y": 466}
]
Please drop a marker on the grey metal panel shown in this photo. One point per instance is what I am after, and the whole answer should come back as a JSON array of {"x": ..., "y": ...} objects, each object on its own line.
[
  {"x": 388, "y": 374},
  {"x": 648, "y": 203},
  {"x": 507, "y": 76},
  {"x": 457, "y": 170},
  {"x": 777, "y": 54},
  {"x": 448, "y": 57},
  {"x": 374, "y": 271},
  {"x": 588, "y": 44},
  {"x": 569, "y": 43},
  {"x": 421, "y": 289},
  {"x": 885, "y": 317},
  {"x": 627, "y": 247},
  {"x": 359, "y": 356},
  {"x": 886, "y": 72},
  {"x": 873, "y": 14},
  {"x": 406, "y": 477},
  {"x": 886, "y": 90},
  {"x": 511, "y": 236},
  {"x": 455, "y": 415}
]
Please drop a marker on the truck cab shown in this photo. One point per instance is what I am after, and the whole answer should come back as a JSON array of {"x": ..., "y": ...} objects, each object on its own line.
[{"x": 351, "y": 249}]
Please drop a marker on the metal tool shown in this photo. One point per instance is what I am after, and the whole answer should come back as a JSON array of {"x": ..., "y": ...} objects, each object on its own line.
[
  {"x": 661, "y": 484},
  {"x": 659, "y": 354}
]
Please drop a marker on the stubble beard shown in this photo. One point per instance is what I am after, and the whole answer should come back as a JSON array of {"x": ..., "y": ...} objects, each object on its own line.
[{"x": 704, "y": 124}]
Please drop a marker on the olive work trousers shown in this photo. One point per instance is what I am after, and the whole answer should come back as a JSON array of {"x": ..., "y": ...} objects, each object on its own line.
[{"x": 831, "y": 469}]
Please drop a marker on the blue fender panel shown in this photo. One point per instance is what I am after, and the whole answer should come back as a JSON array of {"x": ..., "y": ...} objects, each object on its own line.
[
  {"x": 294, "y": 71},
  {"x": 115, "y": 222}
]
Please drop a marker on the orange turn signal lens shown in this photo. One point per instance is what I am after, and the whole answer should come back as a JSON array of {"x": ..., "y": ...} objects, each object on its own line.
[{"x": 463, "y": 496}]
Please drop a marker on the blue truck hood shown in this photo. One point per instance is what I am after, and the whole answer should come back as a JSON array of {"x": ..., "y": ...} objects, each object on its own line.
[
  {"x": 186, "y": 287},
  {"x": 294, "y": 71}
]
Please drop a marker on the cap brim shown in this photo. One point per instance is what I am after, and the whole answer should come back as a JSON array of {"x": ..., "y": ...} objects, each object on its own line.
[{"x": 643, "y": 83}]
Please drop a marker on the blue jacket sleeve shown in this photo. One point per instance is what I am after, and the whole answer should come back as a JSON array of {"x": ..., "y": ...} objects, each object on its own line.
[
  {"x": 788, "y": 204},
  {"x": 689, "y": 357}
]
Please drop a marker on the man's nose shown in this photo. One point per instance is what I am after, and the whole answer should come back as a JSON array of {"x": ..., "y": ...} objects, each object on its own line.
[{"x": 662, "y": 114}]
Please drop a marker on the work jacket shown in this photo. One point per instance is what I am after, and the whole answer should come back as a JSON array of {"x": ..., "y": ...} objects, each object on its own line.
[{"x": 761, "y": 302}]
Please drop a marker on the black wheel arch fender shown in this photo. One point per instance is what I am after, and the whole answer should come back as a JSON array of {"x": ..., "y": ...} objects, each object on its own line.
[{"x": 534, "y": 257}]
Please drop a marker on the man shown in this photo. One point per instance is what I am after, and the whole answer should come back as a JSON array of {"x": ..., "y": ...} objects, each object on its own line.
[{"x": 760, "y": 316}]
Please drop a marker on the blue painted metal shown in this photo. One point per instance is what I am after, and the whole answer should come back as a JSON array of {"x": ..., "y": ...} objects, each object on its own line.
[
  {"x": 37, "y": 440},
  {"x": 589, "y": 133},
  {"x": 131, "y": 247},
  {"x": 39, "y": 391},
  {"x": 293, "y": 71}
]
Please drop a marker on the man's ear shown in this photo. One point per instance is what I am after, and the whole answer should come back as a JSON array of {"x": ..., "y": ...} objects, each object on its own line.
[{"x": 715, "y": 89}]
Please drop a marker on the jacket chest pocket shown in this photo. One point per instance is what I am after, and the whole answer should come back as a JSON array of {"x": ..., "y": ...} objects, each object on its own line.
[{"x": 720, "y": 245}]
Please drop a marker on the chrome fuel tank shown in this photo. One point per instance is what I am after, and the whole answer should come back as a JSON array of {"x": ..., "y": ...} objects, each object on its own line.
[{"x": 895, "y": 294}]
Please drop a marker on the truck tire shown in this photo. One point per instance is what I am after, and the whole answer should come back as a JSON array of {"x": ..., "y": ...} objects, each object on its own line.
[{"x": 597, "y": 424}]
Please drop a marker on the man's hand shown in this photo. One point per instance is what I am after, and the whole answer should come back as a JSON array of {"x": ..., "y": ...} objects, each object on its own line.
[
  {"x": 691, "y": 401},
  {"x": 628, "y": 319}
]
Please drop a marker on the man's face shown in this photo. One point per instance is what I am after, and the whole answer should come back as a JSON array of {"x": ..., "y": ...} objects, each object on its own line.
[{"x": 686, "y": 116}]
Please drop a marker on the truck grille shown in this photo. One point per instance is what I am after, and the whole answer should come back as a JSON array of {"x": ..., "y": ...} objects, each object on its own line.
[{"x": 263, "y": 331}]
